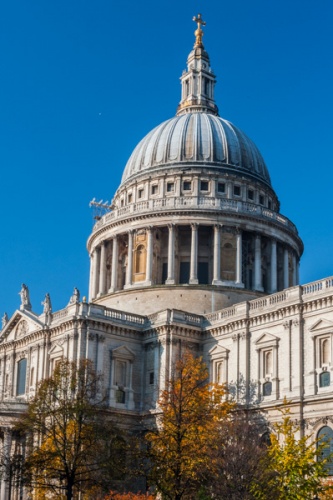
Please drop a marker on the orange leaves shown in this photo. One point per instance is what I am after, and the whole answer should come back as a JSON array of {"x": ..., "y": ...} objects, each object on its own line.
[
  {"x": 114, "y": 495},
  {"x": 191, "y": 409}
]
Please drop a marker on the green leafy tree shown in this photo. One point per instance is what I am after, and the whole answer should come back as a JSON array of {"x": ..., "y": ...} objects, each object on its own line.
[
  {"x": 72, "y": 445},
  {"x": 293, "y": 466},
  {"x": 179, "y": 448}
]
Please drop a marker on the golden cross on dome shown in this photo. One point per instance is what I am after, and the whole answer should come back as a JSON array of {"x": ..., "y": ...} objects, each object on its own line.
[{"x": 198, "y": 33}]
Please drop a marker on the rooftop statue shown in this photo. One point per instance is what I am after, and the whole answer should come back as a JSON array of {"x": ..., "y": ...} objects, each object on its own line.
[{"x": 25, "y": 297}]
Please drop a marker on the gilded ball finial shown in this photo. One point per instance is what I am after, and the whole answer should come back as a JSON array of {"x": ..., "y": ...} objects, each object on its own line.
[{"x": 198, "y": 32}]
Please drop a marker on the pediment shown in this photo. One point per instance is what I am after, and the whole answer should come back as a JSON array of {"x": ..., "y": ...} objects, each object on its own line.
[
  {"x": 56, "y": 351},
  {"x": 218, "y": 351},
  {"x": 267, "y": 338},
  {"x": 320, "y": 325},
  {"x": 19, "y": 325},
  {"x": 123, "y": 352}
]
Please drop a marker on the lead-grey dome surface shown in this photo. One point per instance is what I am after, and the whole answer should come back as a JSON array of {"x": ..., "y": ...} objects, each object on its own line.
[{"x": 200, "y": 140}]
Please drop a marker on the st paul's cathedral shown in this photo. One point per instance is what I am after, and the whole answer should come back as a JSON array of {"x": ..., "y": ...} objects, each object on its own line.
[{"x": 192, "y": 254}]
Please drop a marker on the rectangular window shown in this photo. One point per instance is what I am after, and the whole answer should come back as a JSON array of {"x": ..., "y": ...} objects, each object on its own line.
[
  {"x": 237, "y": 190},
  {"x": 184, "y": 273},
  {"x": 204, "y": 185},
  {"x": 21, "y": 377},
  {"x": 187, "y": 185},
  {"x": 170, "y": 187},
  {"x": 129, "y": 198},
  {"x": 250, "y": 194},
  {"x": 151, "y": 378},
  {"x": 154, "y": 189},
  {"x": 140, "y": 193},
  {"x": 221, "y": 187},
  {"x": 261, "y": 199},
  {"x": 270, "y": 204}
]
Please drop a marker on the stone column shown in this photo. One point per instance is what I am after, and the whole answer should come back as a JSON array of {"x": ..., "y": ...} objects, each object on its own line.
[
  {"x": 102, "y": 270},
  {"x": 239, "y": 257},
  {"x": 91, "y": 277},
  {"x": 285, "y": 268},
  {"x": 129, "y": 270},
  {"x": 217, "y": 255},
  {"x": 158, "y": 384},
  {"x": 294, "y": 270},
  {"x": 114, "y": 271},
  {"x": 273, "y": 267},
  {"x": 257, "y": 264},
  {"x": 171, "y": 256},
  {"x": 149, "y": 263},
  {"x": 94, "y": 273},
  {"x": 194, "y": 255},
  {"x": 297, "y": 271},
  {"x": 130, "y": 393},
  {"x": 95, "y": 284}
]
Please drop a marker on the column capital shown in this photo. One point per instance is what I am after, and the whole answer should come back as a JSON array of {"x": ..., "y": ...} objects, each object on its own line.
[{"x": 194, "y": 226}]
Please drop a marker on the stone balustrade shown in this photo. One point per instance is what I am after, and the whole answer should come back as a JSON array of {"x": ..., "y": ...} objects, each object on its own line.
[
  {"x": 317, "y": 286},
  {"x": 194, "y": 202}
]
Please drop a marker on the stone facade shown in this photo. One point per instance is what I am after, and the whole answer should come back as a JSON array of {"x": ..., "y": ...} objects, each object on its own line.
[{"x": 192, "y": 254}]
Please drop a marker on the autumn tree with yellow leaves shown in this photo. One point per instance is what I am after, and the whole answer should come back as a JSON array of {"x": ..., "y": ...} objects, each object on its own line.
[
  {"x": 72, "y": 445},
  {"x": 295, "y": 467},
  {"x": 191, "y": 411}
]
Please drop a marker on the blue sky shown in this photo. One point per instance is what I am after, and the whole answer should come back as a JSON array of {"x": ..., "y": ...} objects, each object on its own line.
[{"x": 83, "y": 81}]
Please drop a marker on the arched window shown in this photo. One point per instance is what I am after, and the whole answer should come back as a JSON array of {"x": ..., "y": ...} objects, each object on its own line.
[
  {"x": 325, "y": 436},
  {"x": 21, "y": 377},
  {"x": 219, "y": 372},
  {"x": 325, "y": 351},
  {"x": 120, "y": 396},
  {"x": 228, "y": 261},
  {"x": 187, "y": 88},
  {"x": 268, "y": 363},
  {"x": 140, "y": 259},
  {"x": 267, "y": 389}
]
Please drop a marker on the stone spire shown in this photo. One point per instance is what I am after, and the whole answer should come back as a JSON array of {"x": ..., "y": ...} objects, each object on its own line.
[{"x": 198, "y": 81}]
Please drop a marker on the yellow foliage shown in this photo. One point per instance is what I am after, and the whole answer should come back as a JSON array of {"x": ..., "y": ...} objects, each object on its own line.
[{"x": 191, "y": 411}]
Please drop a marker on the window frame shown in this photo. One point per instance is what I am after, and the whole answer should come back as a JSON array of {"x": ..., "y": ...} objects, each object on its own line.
[{"x": 21, "y": 379}]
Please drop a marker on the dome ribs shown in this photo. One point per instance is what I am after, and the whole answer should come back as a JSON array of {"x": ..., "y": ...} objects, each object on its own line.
[
  {"x": 207, "y": 139},
  {"x": 198, "y": 138}
]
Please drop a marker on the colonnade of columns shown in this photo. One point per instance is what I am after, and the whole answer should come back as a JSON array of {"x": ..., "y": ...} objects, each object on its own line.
[{"x": 99, "y": 268}]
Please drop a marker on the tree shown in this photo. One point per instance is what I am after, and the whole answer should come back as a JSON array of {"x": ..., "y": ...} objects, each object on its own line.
[
  {"x": 114, "y": 495},
  {"x": 179, "y": 448},
  {"x": 294, "y": 471},
  {"x": 71, "y": 442},
  {"x": 237, "y": 455}
]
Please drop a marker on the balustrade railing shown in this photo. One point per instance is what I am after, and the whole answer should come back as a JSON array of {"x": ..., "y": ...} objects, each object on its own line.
[
  {"x": 317, "y": 286},
  {"x": 195, "y": 202}
]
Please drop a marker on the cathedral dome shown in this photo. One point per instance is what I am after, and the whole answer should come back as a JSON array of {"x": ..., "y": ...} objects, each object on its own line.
[
  {"x": 195, "y": 222},
  {"x": 199, "y": 139}
]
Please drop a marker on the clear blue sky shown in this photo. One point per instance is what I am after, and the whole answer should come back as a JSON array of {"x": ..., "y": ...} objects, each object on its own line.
[{"x": 83, "y": 81}]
